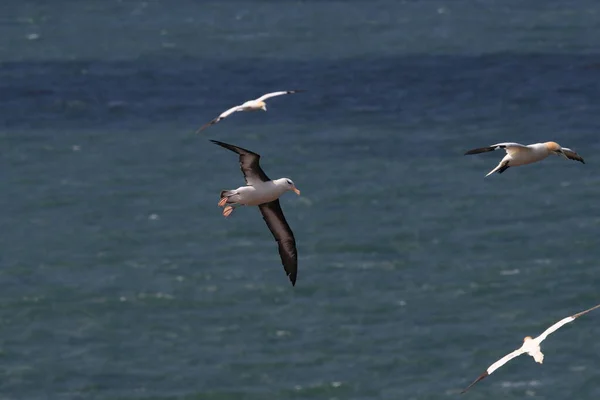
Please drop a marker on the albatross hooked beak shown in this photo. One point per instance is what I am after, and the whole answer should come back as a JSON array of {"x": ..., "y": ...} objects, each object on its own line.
[{"x": 296, "y": 191}]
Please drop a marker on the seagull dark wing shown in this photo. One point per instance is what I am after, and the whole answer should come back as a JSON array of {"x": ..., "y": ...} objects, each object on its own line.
[
  {"x": 249, "y": 163},
  {"x": 273, "y": 216}
]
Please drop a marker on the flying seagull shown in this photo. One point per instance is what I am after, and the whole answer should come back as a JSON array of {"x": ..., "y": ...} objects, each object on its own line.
[
  {"x": 262, "y": 192},
  {"x": 519, "y": 154},
  {"x": 250, "y": 105},
  {"x": 530, "y": 346}
]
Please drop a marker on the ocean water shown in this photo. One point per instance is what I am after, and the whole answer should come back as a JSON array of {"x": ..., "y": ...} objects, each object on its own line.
[{"x": 120, "y": 279}]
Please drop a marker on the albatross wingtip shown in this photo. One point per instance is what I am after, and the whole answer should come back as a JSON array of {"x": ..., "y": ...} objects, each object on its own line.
[
  {"x": 222, "y": 144},
  {"x": 292, "y": 277}
]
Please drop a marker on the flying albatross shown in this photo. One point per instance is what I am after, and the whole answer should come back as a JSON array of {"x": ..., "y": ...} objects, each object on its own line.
[
  {"x": 530, "y": 346},
  {"x": 250, "y": 105},
  {"x": 519, "y": 154},
  {"x": 262, "y": 192}
]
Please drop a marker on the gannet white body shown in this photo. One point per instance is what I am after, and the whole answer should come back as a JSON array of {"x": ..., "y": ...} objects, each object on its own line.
[
  {"x": 530, "y": 346},
  {"x": 519, "y": 154},
  {"x": 250, "y": 105}
]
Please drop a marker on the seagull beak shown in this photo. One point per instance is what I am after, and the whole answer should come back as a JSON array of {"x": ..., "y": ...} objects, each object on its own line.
[{"x": 296, "y": 191}]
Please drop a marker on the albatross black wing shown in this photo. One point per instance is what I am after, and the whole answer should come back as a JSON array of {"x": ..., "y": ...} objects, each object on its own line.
[
  {"x": 249, "y": 165},
  {"x": 273, "y": 216}
]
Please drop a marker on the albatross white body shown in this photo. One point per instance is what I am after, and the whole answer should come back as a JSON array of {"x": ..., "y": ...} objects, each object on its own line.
[
  {"x": 259, "y": 193},
  {"x": 262, "y": 192}
]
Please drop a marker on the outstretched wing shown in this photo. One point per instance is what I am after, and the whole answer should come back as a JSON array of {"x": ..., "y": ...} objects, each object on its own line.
[
  {"x": 249, "y": 164},
  {"x": 495, "y": 366},
  {"x": 506, "y": 146},
  {"x": 571, "y": 155},
  {"x": 579, "y": 314},
  {"x": 274, "y": 94},
  {"x": 219, "y": 118},
  {"x": 561, "y": 323},
  {"x": 273, "y": 216},
  {"x": 504, "y": 360},
  {"x": 553, "y": 329}
]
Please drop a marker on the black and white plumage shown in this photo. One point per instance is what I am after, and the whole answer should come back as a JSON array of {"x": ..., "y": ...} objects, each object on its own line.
[
  {"x": 530, "y": 346},
  {"x": 250, "y": 105},
  {"x": 519, "y": 154},
  {"x": 262, "y": 192}
]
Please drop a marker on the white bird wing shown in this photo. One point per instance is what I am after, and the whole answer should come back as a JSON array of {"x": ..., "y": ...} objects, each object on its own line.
[
  {"x": 504, "y": 360},
  {"x": 275, "y": 94},
  {"x": 538, "y": 339},
  {"x": 495, "y": 366},
  {"x": 223, "y": 115},
  {"x": 571, "y": 155},
  {"x": 562, "y": 322},
  {"x": 508, "y": 146},
  {"x": 553, "y": 329}
]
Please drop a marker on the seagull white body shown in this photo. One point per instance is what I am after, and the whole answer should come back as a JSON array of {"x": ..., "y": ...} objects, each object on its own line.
[
  {"x": 518, "y": 154},
  {"x": 250, "y": 105},
  {"x": 531, "y": 346}
]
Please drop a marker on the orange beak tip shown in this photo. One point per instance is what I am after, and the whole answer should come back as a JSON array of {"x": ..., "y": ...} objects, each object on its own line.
[{"x": 297, "y": 191}]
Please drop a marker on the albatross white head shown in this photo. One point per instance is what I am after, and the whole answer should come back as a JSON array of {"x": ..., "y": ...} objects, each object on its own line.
[{"x": 286, "y": 184}]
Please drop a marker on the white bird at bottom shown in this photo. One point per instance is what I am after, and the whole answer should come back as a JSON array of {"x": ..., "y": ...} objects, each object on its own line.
[{"x": 530, "y": 346}]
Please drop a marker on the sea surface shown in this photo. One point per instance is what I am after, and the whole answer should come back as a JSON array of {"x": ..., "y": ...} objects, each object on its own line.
[{"x": 120, "y": 278}]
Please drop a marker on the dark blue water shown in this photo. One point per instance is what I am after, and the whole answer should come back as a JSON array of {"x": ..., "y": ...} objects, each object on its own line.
[{"x": 120, "y": 279}]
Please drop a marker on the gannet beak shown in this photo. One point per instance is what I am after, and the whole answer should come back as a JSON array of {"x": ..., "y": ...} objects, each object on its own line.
[
  {"x": 561, "y": 153},
  {"x": 296, "y": 191}
]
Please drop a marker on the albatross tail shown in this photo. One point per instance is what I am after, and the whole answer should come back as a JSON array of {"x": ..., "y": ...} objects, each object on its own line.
[
  {"x": 229, "y": 200},
  {"x": 226, "y": 197}
]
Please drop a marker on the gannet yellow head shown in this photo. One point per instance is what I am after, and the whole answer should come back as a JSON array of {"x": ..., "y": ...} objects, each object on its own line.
[
  {"x": 527, "y": 338},
  {"x": 553, "y": 147},
  {"x": 262, "y": 105}
]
